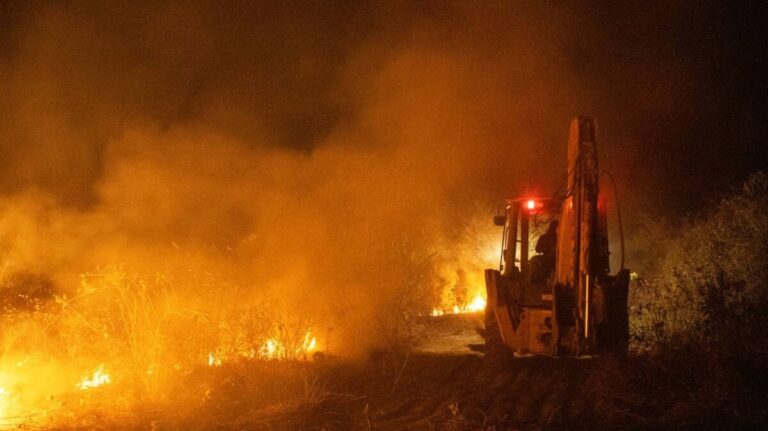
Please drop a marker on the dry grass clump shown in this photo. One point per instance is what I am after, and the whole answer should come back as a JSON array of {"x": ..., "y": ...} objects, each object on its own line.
[{"x": 138, "y": 333}]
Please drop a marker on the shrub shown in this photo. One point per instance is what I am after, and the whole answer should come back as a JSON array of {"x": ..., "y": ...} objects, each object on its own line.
[{"x": 711, "y": 286}]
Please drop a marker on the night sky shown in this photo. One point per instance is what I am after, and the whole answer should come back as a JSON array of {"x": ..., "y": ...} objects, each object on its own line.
[{"x": 679, "y": 88}]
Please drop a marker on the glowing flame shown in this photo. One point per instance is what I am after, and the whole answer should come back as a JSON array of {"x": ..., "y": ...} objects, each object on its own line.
[
  {"x": 477, "y": 305},
  {"x": 269, "y": 349},
  {"x": 309, "y": 342},
  {"x": 460, "y": 287},
  {"x": 99, "y": 378},
  {"x": 272, "y": 348},
  {"x": 213, "y": 361}
]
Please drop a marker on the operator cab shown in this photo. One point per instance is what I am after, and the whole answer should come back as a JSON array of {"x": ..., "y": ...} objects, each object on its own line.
[{"x": 530, "y": 223}]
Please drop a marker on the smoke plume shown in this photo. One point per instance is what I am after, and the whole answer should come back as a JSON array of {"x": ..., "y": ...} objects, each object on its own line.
[{"x": 319, "y": 153}]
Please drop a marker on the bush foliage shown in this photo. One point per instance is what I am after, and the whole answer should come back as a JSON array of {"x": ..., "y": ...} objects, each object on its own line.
[{"x": 711, "y": 283}]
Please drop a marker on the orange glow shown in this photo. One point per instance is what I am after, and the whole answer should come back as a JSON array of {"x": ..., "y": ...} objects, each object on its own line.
[
  {"x": 99, "y": 378},
  {"x": 460, "y": 287},
  {"x": 4, "y": 397},
  {"x": 477, "y": 305},
  {"x": 271, "y": 349},
  {"x": 310, "y": 343},
  {"x": 275, "y": 349},
  {"x": 213, "y": 361},
  {"x": 530, "y": 204}
]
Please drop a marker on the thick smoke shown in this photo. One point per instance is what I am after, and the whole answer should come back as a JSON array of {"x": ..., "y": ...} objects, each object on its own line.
[{"x": 317, "y": 152}]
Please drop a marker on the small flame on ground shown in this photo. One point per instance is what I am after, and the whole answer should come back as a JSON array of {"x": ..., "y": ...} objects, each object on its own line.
[
  {"x": 309, "y": 346},
  {"x": 269, "y": 349},
  {"x": 213, "y": 361},
  {"x": 477, "y": 305},
  {"x": 99, "y": 378},
  {"x": 273, "y": 348}
]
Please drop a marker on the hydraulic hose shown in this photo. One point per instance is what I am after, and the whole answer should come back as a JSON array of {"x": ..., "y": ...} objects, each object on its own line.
[{"x": 618, "y": 215}]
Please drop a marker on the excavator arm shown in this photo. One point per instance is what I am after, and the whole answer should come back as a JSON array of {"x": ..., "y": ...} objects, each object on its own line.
[{"x": 590, "y": 306}]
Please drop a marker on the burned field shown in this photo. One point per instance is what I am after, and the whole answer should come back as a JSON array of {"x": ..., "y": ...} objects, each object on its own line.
[{"x": 383, "y": 216}]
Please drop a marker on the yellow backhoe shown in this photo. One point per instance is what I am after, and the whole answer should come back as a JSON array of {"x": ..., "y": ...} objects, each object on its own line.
[{"x": 563, "y": 301}]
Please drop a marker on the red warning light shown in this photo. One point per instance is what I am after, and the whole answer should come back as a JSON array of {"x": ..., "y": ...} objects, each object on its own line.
[{"x": 530, "y": 204}]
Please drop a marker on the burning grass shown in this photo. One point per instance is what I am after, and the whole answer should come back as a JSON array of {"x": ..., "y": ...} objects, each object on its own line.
[
  {"x": 125, "y": 345},
  {"x": 476, "y": 306},
  {"x": 123, "y": 340},
  {"x": 124, "y": 352}
]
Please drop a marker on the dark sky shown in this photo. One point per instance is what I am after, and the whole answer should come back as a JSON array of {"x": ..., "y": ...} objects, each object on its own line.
[
  {"x": 714, "y": 133},
  {"x": 679, "y": 88}
]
